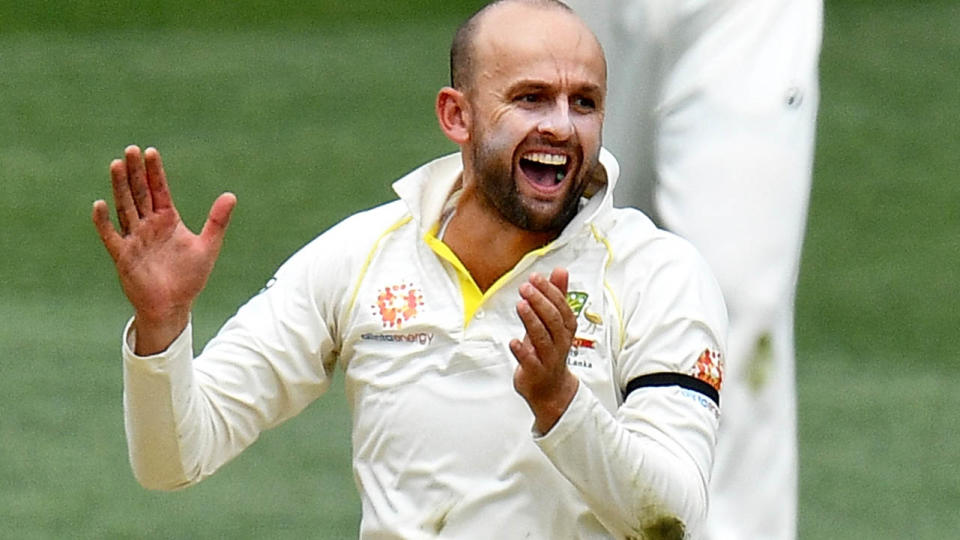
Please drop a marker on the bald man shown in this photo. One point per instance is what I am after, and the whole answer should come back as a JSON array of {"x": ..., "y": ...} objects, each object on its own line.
[{"x": 522, "y": 359}]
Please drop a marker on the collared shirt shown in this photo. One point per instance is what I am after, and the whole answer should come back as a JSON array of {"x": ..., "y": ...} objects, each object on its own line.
[{"x": 442, "y": 444}]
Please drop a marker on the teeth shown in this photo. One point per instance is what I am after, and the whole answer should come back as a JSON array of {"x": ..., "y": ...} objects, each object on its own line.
[{"x": 547, "y": 159}]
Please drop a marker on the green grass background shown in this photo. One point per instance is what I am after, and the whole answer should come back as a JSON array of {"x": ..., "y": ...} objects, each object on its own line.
[{"x": 307, "y": 112}]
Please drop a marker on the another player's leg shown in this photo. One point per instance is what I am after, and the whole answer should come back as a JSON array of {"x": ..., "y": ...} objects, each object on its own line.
[{"x": 734, "y": 167}]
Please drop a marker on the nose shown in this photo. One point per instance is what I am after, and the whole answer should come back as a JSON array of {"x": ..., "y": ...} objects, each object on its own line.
[{"x": 557, "y": 122}]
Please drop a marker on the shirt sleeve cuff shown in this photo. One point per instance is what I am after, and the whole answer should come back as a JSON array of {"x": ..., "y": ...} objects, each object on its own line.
[
  {"x": 156, "y": 363},
  {"x": 568, "y": 423}
]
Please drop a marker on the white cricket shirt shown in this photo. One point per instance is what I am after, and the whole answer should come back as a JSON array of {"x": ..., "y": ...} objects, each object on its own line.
[{"x": 442, "y": 444}]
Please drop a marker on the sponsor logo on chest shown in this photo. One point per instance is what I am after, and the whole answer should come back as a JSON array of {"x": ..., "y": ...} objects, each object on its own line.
[
  {"x": 395, "y": 306},
  {"x": 398, "y": 304},
  {"x": 589, "y": 324}
]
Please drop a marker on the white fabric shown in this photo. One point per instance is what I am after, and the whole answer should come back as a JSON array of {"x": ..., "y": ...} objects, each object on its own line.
[
  {"x": 442, "y": 443},
  {"x": 715, "y": 102}
]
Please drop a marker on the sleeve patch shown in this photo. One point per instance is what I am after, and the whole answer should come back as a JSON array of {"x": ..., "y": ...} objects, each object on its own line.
[{"x": 709, "y": 368}]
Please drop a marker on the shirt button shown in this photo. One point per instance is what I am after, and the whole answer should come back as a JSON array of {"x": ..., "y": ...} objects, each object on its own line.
[{"x": 479, "y": 314}]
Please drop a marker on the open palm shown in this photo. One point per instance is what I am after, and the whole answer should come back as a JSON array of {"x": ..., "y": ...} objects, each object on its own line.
[{"x": 161, "y": 264}]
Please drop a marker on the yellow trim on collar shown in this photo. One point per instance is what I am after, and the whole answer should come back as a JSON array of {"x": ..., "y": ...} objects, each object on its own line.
[{"x": 473, "y": 297}]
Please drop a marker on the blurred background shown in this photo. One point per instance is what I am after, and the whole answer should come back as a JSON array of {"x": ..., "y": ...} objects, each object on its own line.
[{"x": 307, "y": 113}]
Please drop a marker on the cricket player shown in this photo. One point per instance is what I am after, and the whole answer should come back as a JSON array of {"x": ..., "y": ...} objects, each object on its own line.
[
  {"x": 522, "y": 359},
  {"x": 712, "y": 112}
]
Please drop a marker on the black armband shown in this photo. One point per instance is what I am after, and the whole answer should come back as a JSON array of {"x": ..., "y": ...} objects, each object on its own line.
[{"x": 673, "y": 379}]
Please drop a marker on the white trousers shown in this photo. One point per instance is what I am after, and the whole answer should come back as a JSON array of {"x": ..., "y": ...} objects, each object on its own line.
[{"x": 711, "y": 111}]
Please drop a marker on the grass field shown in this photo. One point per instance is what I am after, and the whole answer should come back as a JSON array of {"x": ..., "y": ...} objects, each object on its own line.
[{"x": 307, "y": 114}]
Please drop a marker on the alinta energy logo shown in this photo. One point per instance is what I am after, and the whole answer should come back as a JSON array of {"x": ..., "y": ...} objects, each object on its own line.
[{"x": 398, "y": 304}]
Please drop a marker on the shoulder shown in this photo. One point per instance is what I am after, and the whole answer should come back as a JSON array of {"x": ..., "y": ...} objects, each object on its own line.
[
  {"x": 657, "y": 263},
  {"x": 349, "y": 242},
  {"x": 637, "y": 245},
  {"x": 666, "y": 292},
  {"x": 358, "y": 230}
]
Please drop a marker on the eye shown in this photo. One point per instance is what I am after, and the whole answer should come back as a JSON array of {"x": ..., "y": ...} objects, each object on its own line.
[
  {"x": 584, "y": 103},
  {"x": 528, "y": 98}
]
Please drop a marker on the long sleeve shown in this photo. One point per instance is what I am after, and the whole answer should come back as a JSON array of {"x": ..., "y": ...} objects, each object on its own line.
[
  {"x": 643, "y": 466},
  {"x": 186, "y": 417},
  {"x": 150, "y": 420},
  {"x": 638, "y": 475}
]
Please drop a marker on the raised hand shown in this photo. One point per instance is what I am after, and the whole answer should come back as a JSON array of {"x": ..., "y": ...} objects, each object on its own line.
[
  {"x": 162, "y": 265},
  {"x": 542, "y": 377}
]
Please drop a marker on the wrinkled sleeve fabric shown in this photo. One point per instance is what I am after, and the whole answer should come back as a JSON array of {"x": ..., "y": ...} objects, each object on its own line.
[
  {"x": 644, "y": 468},
  {"x": 185, "y": 417}
]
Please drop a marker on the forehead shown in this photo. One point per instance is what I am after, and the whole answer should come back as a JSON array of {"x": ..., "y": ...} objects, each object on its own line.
[{"x": 517, "y": 42}]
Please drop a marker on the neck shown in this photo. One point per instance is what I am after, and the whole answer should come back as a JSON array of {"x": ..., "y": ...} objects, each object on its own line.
[{"x": 487, "y": 245}]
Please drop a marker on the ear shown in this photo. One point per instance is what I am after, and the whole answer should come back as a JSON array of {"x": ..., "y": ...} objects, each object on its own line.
[{"x": 453, "y": 115}]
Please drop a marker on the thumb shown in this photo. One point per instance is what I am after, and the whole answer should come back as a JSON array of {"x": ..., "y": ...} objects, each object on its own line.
[
  {"x": 218, "y": 220},
  {"x": 108, "y": 235}
]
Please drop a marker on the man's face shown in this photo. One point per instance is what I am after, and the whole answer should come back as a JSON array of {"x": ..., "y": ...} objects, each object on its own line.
[{"x": 537, "y": 111}]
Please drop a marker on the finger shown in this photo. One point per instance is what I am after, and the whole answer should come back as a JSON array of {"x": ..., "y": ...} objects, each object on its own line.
[
  {"x": 548, "y": 303},
  {"x": 553, "y": 294},
  {"x": 560, "y": 279},
  {"x": 108, "y": 235},
  {"x": 556, "y": 290},
  {"x": 217, "y": 220},
  {"x": 537, "y": 334},
  {"x": 157, "y": 180},
  {"x": 525, "y": 354},
  {"x": 122, "y": 199},
  {"x": 137, "y": 178}
]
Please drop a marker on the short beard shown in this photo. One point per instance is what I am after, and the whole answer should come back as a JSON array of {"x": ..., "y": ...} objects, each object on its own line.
[{"x": 498, "y": 190}]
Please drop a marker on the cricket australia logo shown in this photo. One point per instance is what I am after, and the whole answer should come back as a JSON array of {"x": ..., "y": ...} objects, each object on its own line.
[
  {"x": 577, "y": 301},
  {"x": 398, "y": 304}
]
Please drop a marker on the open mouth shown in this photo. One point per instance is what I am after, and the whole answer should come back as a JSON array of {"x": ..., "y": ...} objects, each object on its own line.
[{"x": 543, "y": 169}]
